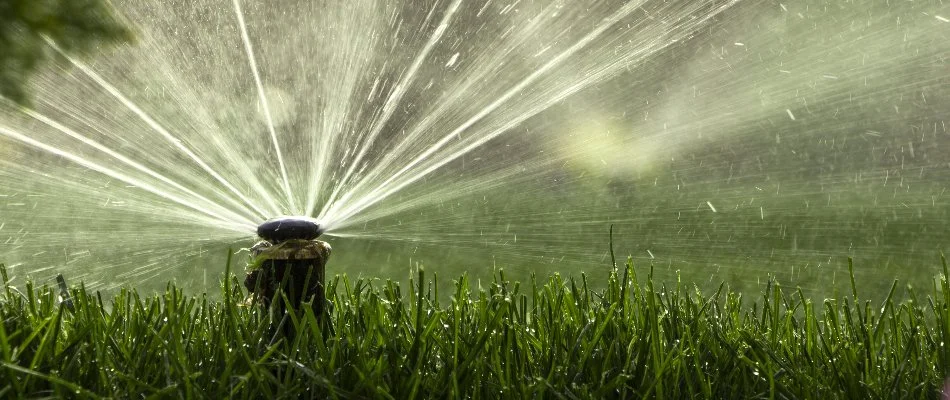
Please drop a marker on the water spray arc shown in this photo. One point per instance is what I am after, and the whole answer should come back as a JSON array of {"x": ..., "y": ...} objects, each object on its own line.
[{"x": 722, "y": 137}]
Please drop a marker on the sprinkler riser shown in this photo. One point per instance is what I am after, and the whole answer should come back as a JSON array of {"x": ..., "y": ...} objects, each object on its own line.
[{"x": 289, "y": 262}]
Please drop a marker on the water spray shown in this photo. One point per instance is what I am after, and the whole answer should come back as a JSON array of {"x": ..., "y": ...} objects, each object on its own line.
[{"x": 290, "y": 262}]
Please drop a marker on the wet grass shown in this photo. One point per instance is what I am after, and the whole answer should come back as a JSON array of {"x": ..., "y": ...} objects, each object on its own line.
[{"x": 553, "y": 339}]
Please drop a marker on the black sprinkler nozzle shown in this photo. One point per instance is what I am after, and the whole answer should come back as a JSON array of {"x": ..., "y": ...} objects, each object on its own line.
[{"x": 277, "y": 230}]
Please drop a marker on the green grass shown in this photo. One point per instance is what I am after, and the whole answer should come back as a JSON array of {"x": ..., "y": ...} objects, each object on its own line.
[{"x": 553, "y": 339}]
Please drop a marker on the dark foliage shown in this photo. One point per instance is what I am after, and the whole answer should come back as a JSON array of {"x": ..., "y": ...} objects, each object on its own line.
[{"x": 27, "y": 27}]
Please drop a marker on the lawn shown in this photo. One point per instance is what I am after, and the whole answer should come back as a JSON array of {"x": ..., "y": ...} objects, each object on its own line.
[{"x": 550, "y": 337}]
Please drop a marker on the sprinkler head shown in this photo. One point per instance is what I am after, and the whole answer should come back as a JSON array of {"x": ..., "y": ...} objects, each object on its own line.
[
  {"x": 288, "y": 264},
  {"x": 280, "y": 229}
]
